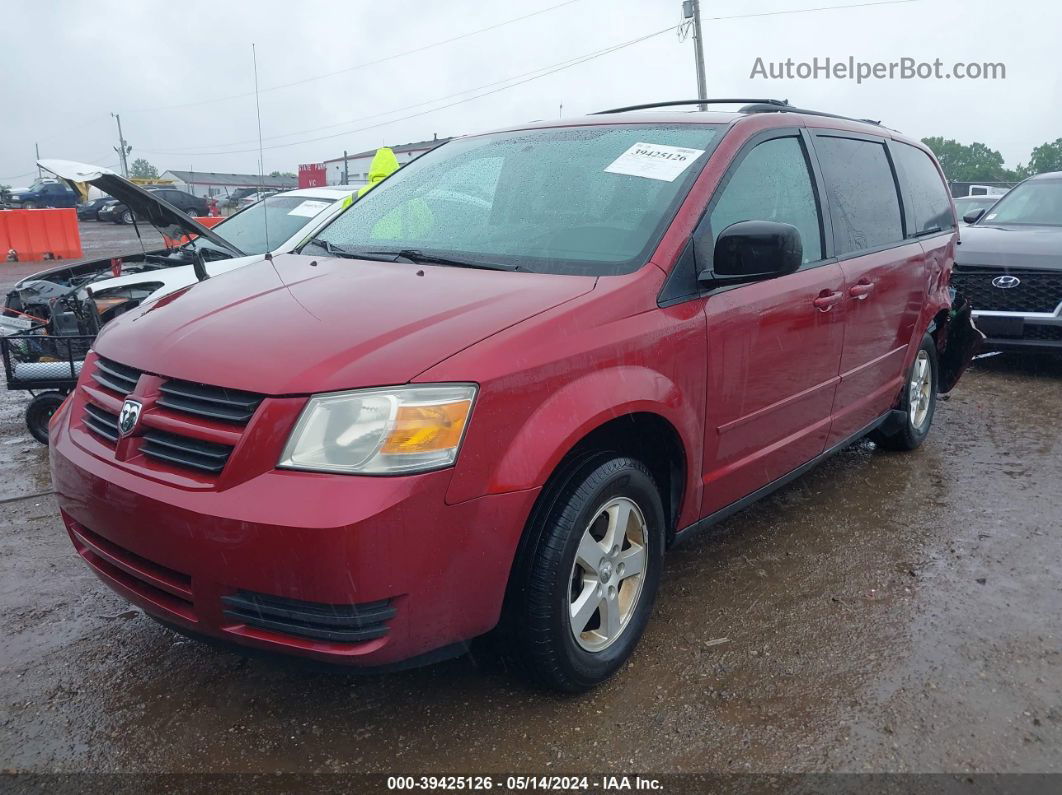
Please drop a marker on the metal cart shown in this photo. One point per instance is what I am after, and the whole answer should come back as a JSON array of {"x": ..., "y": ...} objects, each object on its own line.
[{"x": 47, "y": 367}]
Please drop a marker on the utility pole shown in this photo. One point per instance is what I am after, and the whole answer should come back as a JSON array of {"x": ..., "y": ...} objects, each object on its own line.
[
  {"x": 37, "y": 149},
  {"x": 346, "y": 176},
  {"x": 691, "y": 9},
  {"x": 122, "y": 149}
]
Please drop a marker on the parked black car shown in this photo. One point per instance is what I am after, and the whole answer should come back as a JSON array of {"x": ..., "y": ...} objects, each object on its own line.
[
  {"x": 182, "y": 200},
  {"x": 90, "y": 210},
  {"x": 1009, "y": 264}
]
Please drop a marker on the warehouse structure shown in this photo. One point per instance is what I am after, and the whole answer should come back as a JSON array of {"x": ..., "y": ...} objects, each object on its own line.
[
  {"x": 210, "y": 183},
  {"x": 357, "y": 164}
]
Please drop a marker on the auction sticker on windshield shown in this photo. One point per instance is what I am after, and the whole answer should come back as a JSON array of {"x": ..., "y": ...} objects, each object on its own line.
[
  {"x": 655, "y": 161},
  {"x": 309, "y": 208}
]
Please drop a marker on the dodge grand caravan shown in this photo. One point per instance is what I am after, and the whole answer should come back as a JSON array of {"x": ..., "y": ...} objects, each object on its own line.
[{"x": 487, "y": 398}]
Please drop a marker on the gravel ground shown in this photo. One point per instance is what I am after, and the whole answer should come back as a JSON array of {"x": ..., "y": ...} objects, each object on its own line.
[{"x": 886, "y": 612}]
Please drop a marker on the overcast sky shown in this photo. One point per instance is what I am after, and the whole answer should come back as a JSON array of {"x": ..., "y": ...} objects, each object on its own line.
[{"x": 180, "y": 74}]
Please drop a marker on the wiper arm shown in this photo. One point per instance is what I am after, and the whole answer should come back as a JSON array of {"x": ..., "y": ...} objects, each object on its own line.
[
  {"x": 417, "y": 256},
  {"x": 340, "y": 251}
]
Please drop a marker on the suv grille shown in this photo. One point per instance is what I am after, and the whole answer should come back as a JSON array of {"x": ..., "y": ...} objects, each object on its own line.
[
  {"x": 212, "y": 402},
  {"x": 338, "y": 623},
  {"x": 1039, "y": 291},
  {"x": 116, "y": 377},
  {"x": 101, "y": 422},
  {"x": 209, "y": 404},
  {"x": 185, "y": 451}
]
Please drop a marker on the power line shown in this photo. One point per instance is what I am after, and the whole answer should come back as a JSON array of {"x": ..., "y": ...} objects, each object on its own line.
[
  {"x": 355, "y": 67},
  {"x": 545, "y": 71},
  {"x": 550, "y": 68},
  {"x": 810, "y": 10}
]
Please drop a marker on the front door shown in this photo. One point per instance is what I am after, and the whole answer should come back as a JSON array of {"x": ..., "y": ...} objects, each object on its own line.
[{"x": 774, "y": 347}]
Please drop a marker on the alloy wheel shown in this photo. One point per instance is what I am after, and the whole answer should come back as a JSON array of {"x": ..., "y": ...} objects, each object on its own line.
[
  {"x": 608, "y": 574},
  {"x": 920, "y": 390}
]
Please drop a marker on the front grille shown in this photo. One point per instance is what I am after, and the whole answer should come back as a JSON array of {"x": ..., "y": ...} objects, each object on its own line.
[
  {"x": 115, "y": 377},
  {"x": 185, "y": 451},
  {"x": 1039, "y": 291},
  {"x": 101, "y": 422},
  {"x": 337, "y": 623},
  {"x": 211, "y": 402}
]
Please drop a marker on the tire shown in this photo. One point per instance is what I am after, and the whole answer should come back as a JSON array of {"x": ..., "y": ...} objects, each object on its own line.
[
  {"x": 29, "y": 206},
  {"x": 191, "y": 211},
  {"x": 564, "y": 565},
  {"x": 918, "y": 402},
  {"x": 40, "y": 411},
  {"x": 126, "y": 217}
]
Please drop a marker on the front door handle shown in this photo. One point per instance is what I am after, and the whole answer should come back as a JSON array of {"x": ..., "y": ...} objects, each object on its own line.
[
  {"x": 827, "y": 299},
  {"x": 861, "y": 291}
]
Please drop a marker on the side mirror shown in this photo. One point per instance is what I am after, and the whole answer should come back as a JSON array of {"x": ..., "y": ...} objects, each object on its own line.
[
  {"x": 751, "y": 251},
  {"x": 974, "y": 216}
]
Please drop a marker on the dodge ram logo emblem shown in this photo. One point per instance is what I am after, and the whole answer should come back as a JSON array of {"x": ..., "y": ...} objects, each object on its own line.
[
  {"x": 129, "y": 417},
  {"x": 1006, "y": 282}
]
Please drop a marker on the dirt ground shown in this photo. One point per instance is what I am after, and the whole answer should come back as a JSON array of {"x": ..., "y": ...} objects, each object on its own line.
[{"x": 887, "y": 612}]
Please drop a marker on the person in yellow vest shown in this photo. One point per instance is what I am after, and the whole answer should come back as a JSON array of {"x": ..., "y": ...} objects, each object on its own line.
[
  {"x": 384, "y": 164},
  {"x": 413, "y": 219}
]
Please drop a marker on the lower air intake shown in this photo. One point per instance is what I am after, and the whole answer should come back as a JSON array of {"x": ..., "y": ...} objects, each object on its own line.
[{"x": 316, "y": 620}]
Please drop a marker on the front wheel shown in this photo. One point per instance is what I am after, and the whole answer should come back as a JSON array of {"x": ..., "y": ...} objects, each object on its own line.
[
  {"x": 29, "y": 206},
  {"x": 39, "y": 413},
  {"x": 127, "y": 217},
  {"x": 918, "y": 402},
  {"x": 588, "y": 579}
]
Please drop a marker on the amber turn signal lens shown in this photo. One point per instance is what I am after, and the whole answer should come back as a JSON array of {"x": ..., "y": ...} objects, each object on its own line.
[{"x": 424, "y": 429}]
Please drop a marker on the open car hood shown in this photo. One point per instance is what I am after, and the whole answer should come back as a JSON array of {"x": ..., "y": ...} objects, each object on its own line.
[{"x": 162, "y": 215}]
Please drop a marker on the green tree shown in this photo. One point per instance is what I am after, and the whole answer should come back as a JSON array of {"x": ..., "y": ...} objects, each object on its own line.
[
  {"x": 143, "y": 169},
  {"x": 969, "y": 162},
  {"x": 1046, "y": 157},
  {"x": 281, "y": 174}
]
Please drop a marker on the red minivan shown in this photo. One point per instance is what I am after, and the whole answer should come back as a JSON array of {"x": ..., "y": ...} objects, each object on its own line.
[{"x": 490, "y": 395}]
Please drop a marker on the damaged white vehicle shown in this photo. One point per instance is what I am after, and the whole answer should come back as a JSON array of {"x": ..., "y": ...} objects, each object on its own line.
[{"x": 79, "y": 299}]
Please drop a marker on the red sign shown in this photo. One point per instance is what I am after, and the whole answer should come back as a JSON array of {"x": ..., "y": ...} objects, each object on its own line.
[{"x": 312, "y": 175}]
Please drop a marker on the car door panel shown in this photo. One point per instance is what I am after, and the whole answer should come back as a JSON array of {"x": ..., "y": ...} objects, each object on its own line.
[
  {"x": 773, "y": 370},
  {"x": 883, "y": 301},
  {"x": 774, "y": 346}
]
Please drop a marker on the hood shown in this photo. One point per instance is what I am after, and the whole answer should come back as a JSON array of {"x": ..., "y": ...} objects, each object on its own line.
[
  {"x": 1010, "y": 246},
  {"x": 320, "y": 325},
  {"x": 384, "y": 164},
  {"x": 162, "y": 215}
]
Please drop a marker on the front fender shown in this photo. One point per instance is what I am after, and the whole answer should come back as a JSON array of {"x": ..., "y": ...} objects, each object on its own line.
[{"x": 565, "y": 417}]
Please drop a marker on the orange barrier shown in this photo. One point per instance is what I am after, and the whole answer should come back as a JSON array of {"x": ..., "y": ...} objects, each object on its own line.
[
  {"x": 39, "y": 234},
  {"x": 208, "y": 221}
]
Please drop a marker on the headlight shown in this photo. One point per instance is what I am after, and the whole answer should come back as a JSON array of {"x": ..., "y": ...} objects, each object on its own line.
[{"x": 380, "y": 431}]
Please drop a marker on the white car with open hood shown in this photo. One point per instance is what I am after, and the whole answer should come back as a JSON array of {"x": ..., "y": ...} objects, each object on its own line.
[{"x": 78, "y": 299}]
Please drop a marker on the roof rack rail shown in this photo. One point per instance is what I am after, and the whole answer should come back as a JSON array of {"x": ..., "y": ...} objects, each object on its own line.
[
  {"x": 747, "y": 106},
  {"x": 771, "y": 107},
  {"x": 774, "y": 103}
]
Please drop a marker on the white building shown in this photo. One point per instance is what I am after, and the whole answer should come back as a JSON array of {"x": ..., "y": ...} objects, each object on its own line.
[
  {"x": 210, "y": 183},
  {"x": 357, "y": 164}
]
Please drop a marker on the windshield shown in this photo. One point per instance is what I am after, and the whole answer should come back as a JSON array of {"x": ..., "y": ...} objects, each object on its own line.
[
  {"x": 1037, "y": 202},
  {"x": 283, "y": 215},
  {"x": 580, "y": 200}
]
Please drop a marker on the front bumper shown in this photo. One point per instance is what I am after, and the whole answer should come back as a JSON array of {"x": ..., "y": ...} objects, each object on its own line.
[
  {"x": 428, "y": 574},
  {"x": 1018, "y": 331}
]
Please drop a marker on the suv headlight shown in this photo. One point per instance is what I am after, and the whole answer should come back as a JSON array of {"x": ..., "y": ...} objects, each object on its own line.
[{"x": 382, "y": 431}]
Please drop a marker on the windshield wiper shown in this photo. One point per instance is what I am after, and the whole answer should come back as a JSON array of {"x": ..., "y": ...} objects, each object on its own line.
[
  {"x": 419, "y": 257},
  {"x": 340, "y": 251}
]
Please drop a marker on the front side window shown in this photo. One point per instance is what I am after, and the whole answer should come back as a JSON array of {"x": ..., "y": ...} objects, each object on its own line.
[
  {"x": 580, "y": 200},
  {"x": 864, "y": 204},
  {"x": 1038, "y": 202},
  {"x": 773, "y": 184},
  {"x": 930, "y": 202}
]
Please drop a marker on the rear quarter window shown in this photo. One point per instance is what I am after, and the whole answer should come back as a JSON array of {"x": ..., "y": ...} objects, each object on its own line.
[
  {"x": 861, "y": 189},
  {"x": 928, "y": 200}
]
